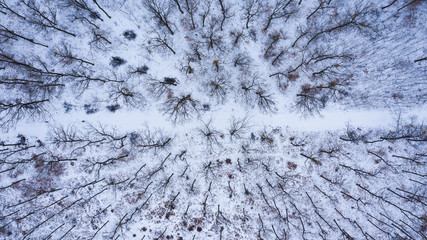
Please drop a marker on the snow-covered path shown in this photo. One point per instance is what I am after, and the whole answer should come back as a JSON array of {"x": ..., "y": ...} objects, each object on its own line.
[{"x": 126, "y": 121}]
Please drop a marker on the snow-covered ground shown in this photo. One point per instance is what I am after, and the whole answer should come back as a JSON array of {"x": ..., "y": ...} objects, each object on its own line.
[
  {"x": 329, "y": 120},
  {"x": 213, "y": 119}
]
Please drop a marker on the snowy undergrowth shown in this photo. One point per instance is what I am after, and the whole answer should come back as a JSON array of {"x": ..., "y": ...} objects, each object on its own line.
[{"x": 212, "y": 119}]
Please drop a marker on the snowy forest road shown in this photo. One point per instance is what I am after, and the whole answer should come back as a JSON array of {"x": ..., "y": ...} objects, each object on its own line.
[{"x": 329, "y": 120}]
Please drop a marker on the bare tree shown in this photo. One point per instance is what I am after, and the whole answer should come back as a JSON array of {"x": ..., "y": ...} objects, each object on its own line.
[
  {"x": 238, "y": 37},
  {"x": 301, "y": 32},
  {"x": 82, "y": 78},
  {"x": 179, "y": 6},
  {"x": 332, "y": 65},
  {"x": 43, "y": 19},
  {"x": 255, "y": 94},
  {"x": 41, "y": 87},
  {"x": 159, "y": 87},
  {"x": 187, "y": 64},
  {"x": 210, "y": 134},
  {"x": 149, "y": 139},
  {"x": 196, "y": 53},
  {"x": 180, "y": 109},
  {"x": 319, "y": 7},
  {"x": 410, "y": 130},
  {"x": 191, "y": 6},
  {"x": 140, "y": 70},
  {"x": 5, "y": 6},
  {"x": 9, "y": 60},
  {"x": 127, "y": 95},
  {"x": 2, "y": 7},
  {"x": 161, "y": 11},
  {"x": 77, "y": 139},
  {"x": 272, "y": 44},
  {"x": 251, "y": 8},
  {"x": 410, "y": 3},
  {"x": 66, "y": 56},
  {"x": 351, "y": 19},
  {"x": 65, "y": 136},
  {"x": 248, "y": 87},
  {"x": 242, "y": 60},
  {"x": 83, "y": 19},
  {"x": 30, "y": 80},
  {"x": 218, "y": 88},
  {"x": 13, "y": 111},
  {"x": 277, "y": 11},
  {"x": 353, "y": 134},
  {"x": 211, "y": 37},
  {"x": 193, "y": 55},
  {"x": 81, "y": 6},
  {"x": 308, "y": 101},
  {"x": 102, "y": 9},
  {"x": 7, "y": 34},
  {"x": 206, "y": 8},
  {"x": 108, "y": 135},
  {"x": 100, "y": 40},
  {"x": 264, "y": 100},
  {"x": 238, "y": 127},
  {"x": 225, "y": 11},
  {"x": 160, "y": 40}
]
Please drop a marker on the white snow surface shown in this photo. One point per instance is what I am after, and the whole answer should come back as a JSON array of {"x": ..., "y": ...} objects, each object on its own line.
[
  {"x": 351, "y": 164},
  {"x": 127, "y": 121}
]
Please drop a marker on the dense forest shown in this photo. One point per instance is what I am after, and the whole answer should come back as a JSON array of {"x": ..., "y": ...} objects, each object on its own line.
[{"x": 213, "y": 119}]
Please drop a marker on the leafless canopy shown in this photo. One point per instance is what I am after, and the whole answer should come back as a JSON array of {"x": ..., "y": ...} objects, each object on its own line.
[
  {"x": 180, "y": 109},
  {"x": 161, "y": 11}
]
